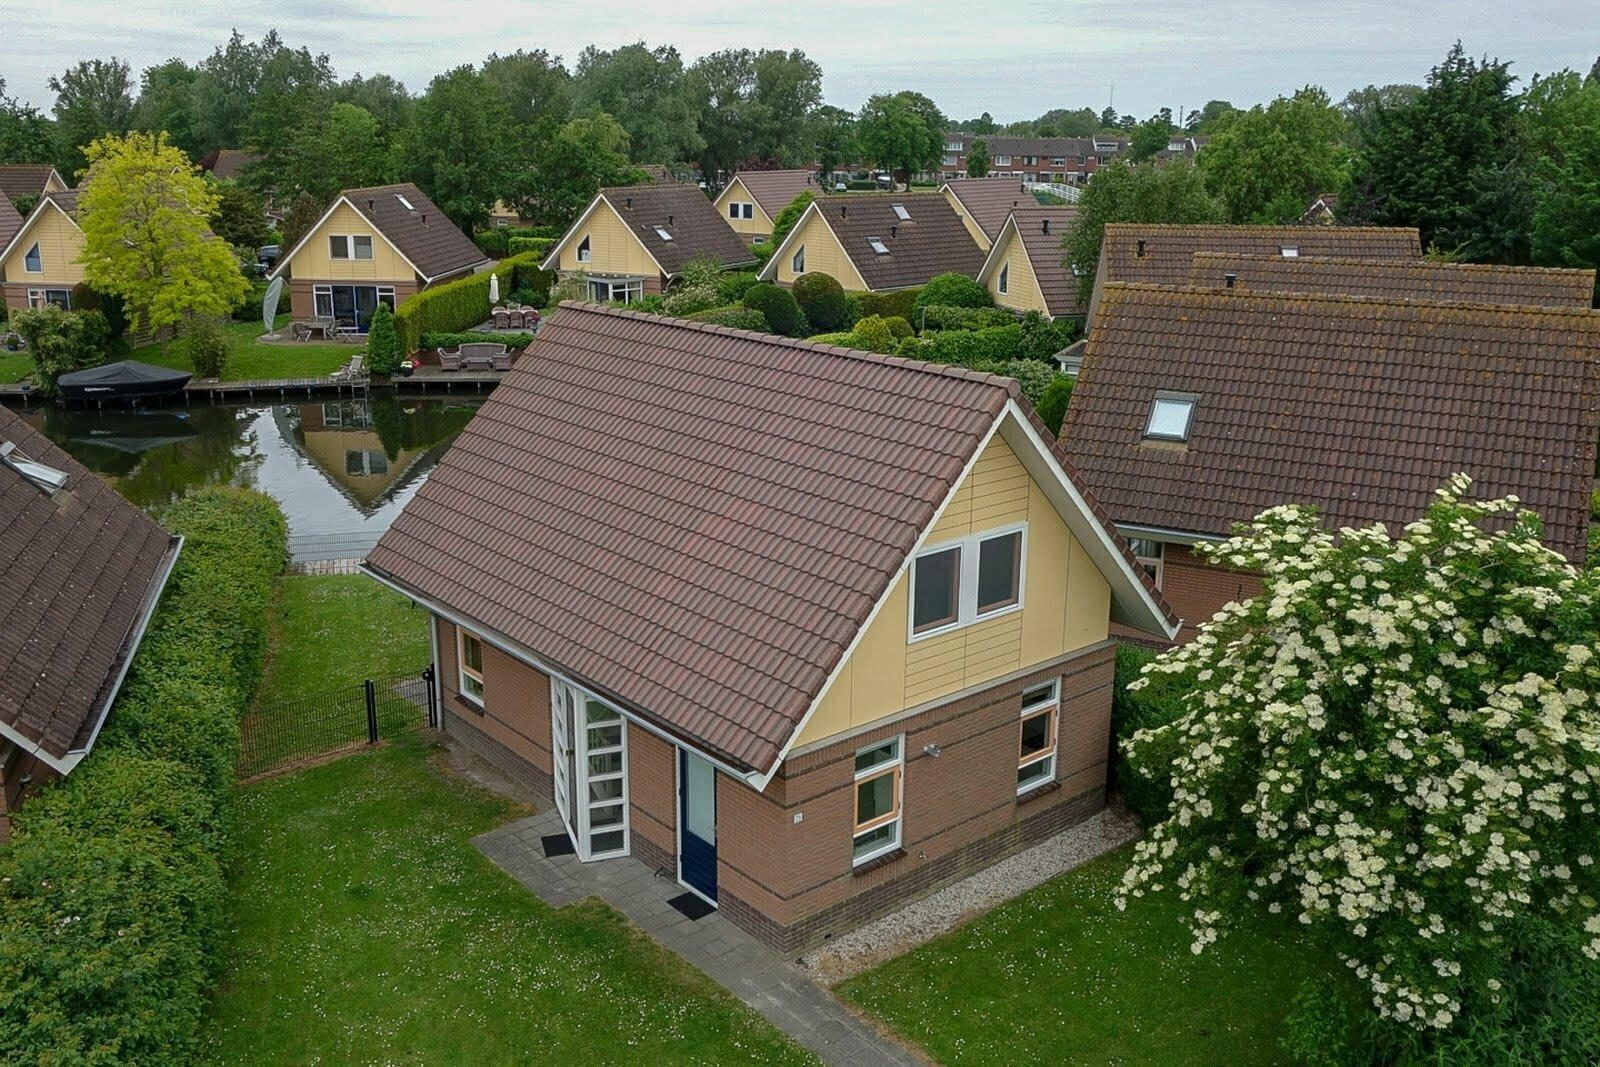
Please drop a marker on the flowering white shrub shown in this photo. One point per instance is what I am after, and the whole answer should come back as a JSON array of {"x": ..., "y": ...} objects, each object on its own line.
[{"x": 1397, "y": 743}]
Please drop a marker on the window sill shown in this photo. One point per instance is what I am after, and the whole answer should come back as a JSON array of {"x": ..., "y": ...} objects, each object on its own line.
[
  {"x": 877, "y": 862},
  {"x": 1037, "y": 791},
  {"x": 471, "y": 705}
]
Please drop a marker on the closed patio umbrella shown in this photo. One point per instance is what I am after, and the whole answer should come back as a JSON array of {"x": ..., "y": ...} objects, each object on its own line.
[{"x": 494, "y": 289}]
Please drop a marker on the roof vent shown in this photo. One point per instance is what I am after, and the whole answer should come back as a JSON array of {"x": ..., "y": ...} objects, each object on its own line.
[
  {"x": 627, "y": 201},
  {"x": 844, "y": 211},
  {"x": 424, "y": 217},
  {"x": 1140, "y": 253},
  {"x": 371, "y": 203},
  {"x": 47, "y": 479},
  {"x": 894, "y": 229},
  {"x": 1046, "y": 226},
  {"x": 669, "y": 220},
  {"x": 1229, "y": 278}
]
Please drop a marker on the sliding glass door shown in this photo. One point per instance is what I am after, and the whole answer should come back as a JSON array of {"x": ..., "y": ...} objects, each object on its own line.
[{"x": 352, "y": 305}]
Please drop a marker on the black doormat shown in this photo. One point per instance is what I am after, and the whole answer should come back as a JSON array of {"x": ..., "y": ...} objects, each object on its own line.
[
  {"x": 691, "y": 906},
  {"x": 557, "y": 845}
]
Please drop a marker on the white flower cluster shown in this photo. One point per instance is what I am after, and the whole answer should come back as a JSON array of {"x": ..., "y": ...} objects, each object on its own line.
[{"x": 1397, "y": 741}]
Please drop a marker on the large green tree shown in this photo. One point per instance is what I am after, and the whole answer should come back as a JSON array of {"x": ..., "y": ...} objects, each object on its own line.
[
  {"x": 1561, "y": 119},
  {"x": 832, "y": 137},
  {"x": 461, "y": 147},
  {"x": 240, "y": 218},
  {"x": 166, "y": 102},
  {"x": 251, "y": 94},
  {"x": 535, "y": 86},
  {"x": 753, "y": 105},
  {"x": 1147, "y": 192},
  {"x": 1267, "y": 164},
  {"x": 25, "y": 134},
  {"x": 1149, "y": 138},
  {"x": 568, "y": 169},
  {"x": 1450, "y": 163},
  {"x": 978, "y": 158},
  {"x": 902, "y": 132},
  {"x": 1361, "y": 108},
  {"x": 94, "y": 97},
  {"x": 646, "y": 89},
  {"x": 340, "y": 148},
  {"x": 380, "y": 96},
  {"x": 1204, "y": 122},
  {"x": 144, "y": 211}
]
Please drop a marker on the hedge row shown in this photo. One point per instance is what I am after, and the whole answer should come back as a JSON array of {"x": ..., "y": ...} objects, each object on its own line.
[
  {"x": 1146, "y": 786},
  {"x": 896, "y": 305},
  {"x": 497, "y": 242},
  {"x": 735, "y": 315},
  {"x": 539, "y": 246},
  {"x": 112, "y": 889},
  {"x": 463, "y": 303}
]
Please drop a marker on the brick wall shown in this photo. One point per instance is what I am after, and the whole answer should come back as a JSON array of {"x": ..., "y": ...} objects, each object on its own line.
[
  {"x": 653, "y": 799},
  {"x": 303, "y": 304},
  {"x": 20, "y": 774},
  {"x": 1196, "y": 590},
  {"x": 512, "y": 728}
]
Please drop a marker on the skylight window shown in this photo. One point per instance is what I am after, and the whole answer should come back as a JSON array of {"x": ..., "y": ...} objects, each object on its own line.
[
  {"x": 663, "y": 234},
  {"x": 45, "y": 477},
  {"x": 901, "y": 213},
  {"x": 878, "y": 246},
  {"x": 1170, "y": 415},
  {"x": 404, "y": 202},
  {"x": 1290, "y": 251}
]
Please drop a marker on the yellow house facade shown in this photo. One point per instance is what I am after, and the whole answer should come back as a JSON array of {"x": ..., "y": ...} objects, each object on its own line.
[
  {"x": 42, "y": 262},
  {"x": 813, "y": 246},
  {"x": 1009, "y": 277},
  {"x": 743, "y": 212}
]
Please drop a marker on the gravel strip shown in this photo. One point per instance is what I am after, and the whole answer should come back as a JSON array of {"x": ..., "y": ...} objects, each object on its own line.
[{"x": 922, "y": 920}]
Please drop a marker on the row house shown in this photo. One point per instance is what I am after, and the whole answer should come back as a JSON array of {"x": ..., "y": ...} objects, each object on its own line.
[{"x": 1063, "y": 160}]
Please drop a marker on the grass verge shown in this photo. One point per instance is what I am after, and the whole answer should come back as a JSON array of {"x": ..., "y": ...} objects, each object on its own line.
[
  {"x": 249, "y": 359},
  {"x": 335, "y": 630}
]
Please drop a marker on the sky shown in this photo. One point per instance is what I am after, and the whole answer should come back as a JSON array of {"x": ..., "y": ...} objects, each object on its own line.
[{"x": 1012, "y": 58}]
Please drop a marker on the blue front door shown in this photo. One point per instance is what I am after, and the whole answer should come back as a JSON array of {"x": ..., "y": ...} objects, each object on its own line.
[{"x": 697, "y": 823}]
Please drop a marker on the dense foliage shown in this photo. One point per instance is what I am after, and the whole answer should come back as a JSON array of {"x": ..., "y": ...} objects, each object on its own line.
[
  {"x": 112, "y": 889},
  {"x": 61, "y": 341},
  {"x": 1266, "y": 165},
  {"x": 735, "y": 315},
  {"x": 1397, "y": 742},
  {"x": 950, "y": 290},
  {"x": 821, "y": 297},
  {"x": 204, "y": 343},
  {"x": 777, "y": 305},
  {"x": 384, "y": 351},
  {"x": 464, "y": 303},
  {"x": 1173, "y": 193},
  {"x": 1053, "y": 402}
]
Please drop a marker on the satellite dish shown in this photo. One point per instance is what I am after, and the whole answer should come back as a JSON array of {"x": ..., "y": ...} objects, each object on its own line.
[{"x": 269, "y": 303}]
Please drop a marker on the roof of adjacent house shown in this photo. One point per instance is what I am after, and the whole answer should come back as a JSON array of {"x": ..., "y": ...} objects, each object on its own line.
[
  {"x": 404, "y": 216},
  {"x": 230, "y": 162},
  {"x": 990, "y": 200},
  {"x": 774, "y": 189},
  {"x": 657, "y": 172},
  {"x": 1415, "y": 279},
  {"x": 10, "y": 221},
  {"x": 930, "y": 241},
  {"x": 1362, "y": 407},
  {"x": 1041, "y": 230},
  {"x": 1167, "y": 251},
  {"x": 25, "y": 179},
  {"x": 80, "y": 572},
  {"x": 681, "y": 211},
  {"x": 695, "y": 522},
  {"x": 1046, "y": 147}
]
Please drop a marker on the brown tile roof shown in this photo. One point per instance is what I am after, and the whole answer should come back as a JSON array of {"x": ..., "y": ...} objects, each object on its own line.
[
  {"x": 230, "y": 162},
  {"x": 931, "y": 242},
  {"x": 774, "y": 189},
  {"x": 66, "y": 200},
  {"x": 1042, "y": 229},
  {"x": 421, "y": 232},
  {"x": 1361, "y": 407},
  {"x": 685, "y": 213},
  {"x": 692, "y": 521},
  {"x": 1047, "y": 148},
  {"x": 24, "y": 179},
  {"x": 990, "y": 200},
  {"x": 10, "y": 221},
  {"x": 1414, "y": 279},
  {"x": 656, "y": 172},
  {"x": 79, "y": 573},
  {"x": 1168, "y": 250}
]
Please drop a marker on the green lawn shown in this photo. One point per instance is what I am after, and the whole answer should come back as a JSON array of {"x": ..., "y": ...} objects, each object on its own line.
[
  {"x": 1060, "y": 976},
  {"x": 366, "y": 928},
  {"x": 14, "y": 367},
  {"x": 337, "y": 630},
  {"x": 250, "y": 359}
]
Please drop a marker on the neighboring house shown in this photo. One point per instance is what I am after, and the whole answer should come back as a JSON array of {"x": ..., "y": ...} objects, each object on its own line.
[
  {"x": 751, "y": 200},
  {"x": 18, "y": 180},
  {"x": 1414, "y": 279},
  {"x": 10, "y": 223},
  {"x": 1198, "y": 409},
  {"x": 40, "y": 264},
  {"x": 1026, "y": 268},
  {"x": 1162, "y": 254},
  {"x": 634, "y": 239},
  {"x": 1062, "y": 160},
  {"x": 877, "y": 242},
  {"x": 1322, "y": 212},
  {"x": 81, "y": 570},
  {"x": 374, "y": 246},
  {"x": 984, "y": 204},
  {"x": 227, "y": 164},
  {"x": 809, "y": 631}
]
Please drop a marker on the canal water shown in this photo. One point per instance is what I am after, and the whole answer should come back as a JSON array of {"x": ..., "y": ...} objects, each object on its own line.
[{"x": 341, "y": 469}]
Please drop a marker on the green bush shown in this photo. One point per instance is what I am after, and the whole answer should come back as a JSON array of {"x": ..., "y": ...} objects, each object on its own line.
[
  {"x": 942, "y": 317},
  {"x": 821, "y": 297},
  {"x": 734, "y": 315},
  {"x": 205, "y": 345},
  {"x": 1042, "y": 338},
  {"x": 1052, "y": 406},
  {"x": 688, "y": 300},
  {"x": 901, "y": 303},
  {"x": 499, "y": 241},
  {"x": 777, "y": 305},
  {"x": 61, "y": 341},
  {"x": 861, "y": 185},
  {"x": 840, "y": 339},
  {"x": 951, "y": 290},
  {"x": 967, "y": 347},
  {"x": 383, "y": 343},
  {"x": 112, "y": 889},
  {"x": 787, "y": 216},
  {"x": 538, "y": 246},
  {"x": 463, "y": 303},
  {"x": 732, "y": 285},
  {"x": 1146, "y": 786},
  {"x": 452, "y": 340},
  {"x": 249, "y": 309}
]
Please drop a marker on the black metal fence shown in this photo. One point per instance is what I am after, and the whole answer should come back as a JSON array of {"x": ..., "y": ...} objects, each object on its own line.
[{"x": 279, "y": 737}]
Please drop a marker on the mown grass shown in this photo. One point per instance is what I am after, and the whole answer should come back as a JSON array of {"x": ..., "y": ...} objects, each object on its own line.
[
  {"x": 250, "y": 359},
  {"x": 1059, "y": 975},
  {"x": 366, "y": 928},
  {"x": 336, "y": 630},
  {"x": 14, "y": 366}
]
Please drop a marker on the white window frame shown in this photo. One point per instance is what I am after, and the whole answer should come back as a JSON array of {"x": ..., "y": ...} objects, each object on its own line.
[
  {"x": 1289, "y": 251},
  {"x": 1003, "y": 282},
  {"x": 896, "y": 816},
  {"x": 631, "y": 289},
  {"x": 38, "y": 298},
  {"x": 901, "y": 213},
  {"x": 36, "y": 256},
  {"x": 585, "y": 251},
  {"x": 747, "y": 211},
  {"x": 1051, "y": 706},
  {"x": 339, "y": 246},
  {"x": 464, "y": 674},
  {"x": 733, "y": 210},
  {"x": 1170, "y": 398},
  {"x": 967, "y": 579},
  {"x": 877, "y": 246},
  {"x": 1001, "y": 161},
  {"x": 355, "y": 246},
  {"x": 797, "y": 262},
  {"x": 317, "y": 292},
  {"x": 758, "y": 239},
  {"x": 1155, "y": 564},
  {"x": 663, "y": 233}
]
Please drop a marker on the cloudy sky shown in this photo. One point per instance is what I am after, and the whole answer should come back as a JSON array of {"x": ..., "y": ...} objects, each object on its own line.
[{"x": 1014, "y": 58}]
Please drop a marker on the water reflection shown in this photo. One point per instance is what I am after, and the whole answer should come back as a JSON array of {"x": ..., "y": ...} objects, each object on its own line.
[{"x": 341, "y": 470}]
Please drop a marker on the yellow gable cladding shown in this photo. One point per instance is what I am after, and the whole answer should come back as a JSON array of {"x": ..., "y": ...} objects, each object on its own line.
[
  {"x": 758, "y": 225},
  {"x": 60, "y": 244},
  {"x": 613, "y": 247},
  {"x": 823, "y": 254},
  {"x": 313, "y": 262},
  {"x": 1022, "y": 286},
  {"x": 1066, "y": 605}
]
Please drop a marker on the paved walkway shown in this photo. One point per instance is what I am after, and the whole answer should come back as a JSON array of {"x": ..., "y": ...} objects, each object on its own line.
[{"x": 735, "y": 960}]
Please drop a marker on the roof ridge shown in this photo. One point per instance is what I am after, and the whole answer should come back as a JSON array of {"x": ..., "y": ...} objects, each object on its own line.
[
  {"x": 1587, "y": 314},
  {"x": 1297, "y": 227},
  {"x": 1410, "y": 264},
  {"x": 948, "y": 370}
]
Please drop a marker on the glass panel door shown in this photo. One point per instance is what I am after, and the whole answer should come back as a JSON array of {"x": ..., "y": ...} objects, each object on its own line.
[
  {"x": 590, "y": 771},
  {"x": 562, "y": 701},
  {"x": 697, "y": 821}
]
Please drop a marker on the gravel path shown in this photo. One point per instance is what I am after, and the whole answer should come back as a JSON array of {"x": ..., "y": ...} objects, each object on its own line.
[{"x": 927, "y": 918}]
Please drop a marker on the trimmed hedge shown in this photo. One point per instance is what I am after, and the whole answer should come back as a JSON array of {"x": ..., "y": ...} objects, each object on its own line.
[
  {"x": 439, "y": 339},
  {"x": 821, "y": 297},
  {"x": 966, "y": 347},
  {"x": 112, "y": 888},
  {"x": 497, "y": 241},
  {"x": 463, "y": 303},
  {"x": 947, "y": 317},
  {"x": 734, "y": 315},
  {"x": 732, "y": 285},
  {"x": 1146, "y": 786},
  {"x": 895, "y": 305},
  {"x": 952, "y": 290},
  {"x": 539, "y": 246}
]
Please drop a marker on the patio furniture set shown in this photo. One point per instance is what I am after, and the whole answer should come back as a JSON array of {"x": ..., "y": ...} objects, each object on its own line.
[
  {"x": 329, "y": 329},
  {"x": 515, "y": 318},
  {"x": 477, "y": 355}
]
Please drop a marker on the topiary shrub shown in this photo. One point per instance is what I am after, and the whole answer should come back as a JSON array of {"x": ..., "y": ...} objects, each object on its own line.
[
  {"x": 899, "y": 303},
  {"x": 821, "y": 297},
  {"x": 383, "y": 343},
  {"x": 777, "y": 305},
  {"x": 951, "y": 290},
  {"x": 205, "y": 345},
  {"x": 1052, "y": 406},
  {"x": 734, "y": 315}
]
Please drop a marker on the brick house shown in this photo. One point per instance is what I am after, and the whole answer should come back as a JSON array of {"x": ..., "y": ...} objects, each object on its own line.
[
  {"x": 374, "y": 246},
  {"x": 1026, "y": 267},
  {"x": 809, "y": 631},
  {"x": 877, "y": 242},
  {"x": 752, "y": 199},
  {"x": 1061, "y": 160},
  {"x": 1406, "y": 279},
  {"x": 1196, "y": 409},
  {"x": 81, "y": 570}
]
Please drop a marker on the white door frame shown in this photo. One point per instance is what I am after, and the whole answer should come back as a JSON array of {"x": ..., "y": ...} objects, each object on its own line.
[
  {"x": 678, "y": 752},
  {"x": 575, "y": 815}
]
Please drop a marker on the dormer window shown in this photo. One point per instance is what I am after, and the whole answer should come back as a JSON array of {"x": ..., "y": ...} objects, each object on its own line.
[
  {"x": 1170, "y": 415},
  {"x": 878, "y": 246},
  {"x": 662, "y": 233},
  {"x": 44, "y": 477},
  {"x": 901, "y": 213},
  {"x": 583, "y": 249},
  {"x": 33, "y": 263},
  {"x": 1290, "y": 251}
]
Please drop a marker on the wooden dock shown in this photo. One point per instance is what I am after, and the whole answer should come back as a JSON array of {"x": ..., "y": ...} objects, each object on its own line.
[{"x": 424, "y": 379}]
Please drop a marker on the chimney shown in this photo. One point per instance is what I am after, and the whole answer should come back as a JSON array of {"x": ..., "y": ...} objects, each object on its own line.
[
  {"x": 370, "y": 204},
  {"x": 1046, "y": 226},
  {"x": 424, "y": 218},
  {"x": 1022, "y": 187},
  {"x": 894, "y": 229},
  {"x": 627, "y": 202},
  {"x": 1229, "y": 278},
  {"x": 669, "y": 222},
  {"x": 844, "y": 211},
  {"x": 1140, "y": 253}
]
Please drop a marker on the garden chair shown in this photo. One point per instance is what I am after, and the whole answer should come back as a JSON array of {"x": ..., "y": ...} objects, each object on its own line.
[
  {"x": 502, "y": 318},
  {"x": 501, "y": 361},
  {"x": 449, "y": 359}
]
